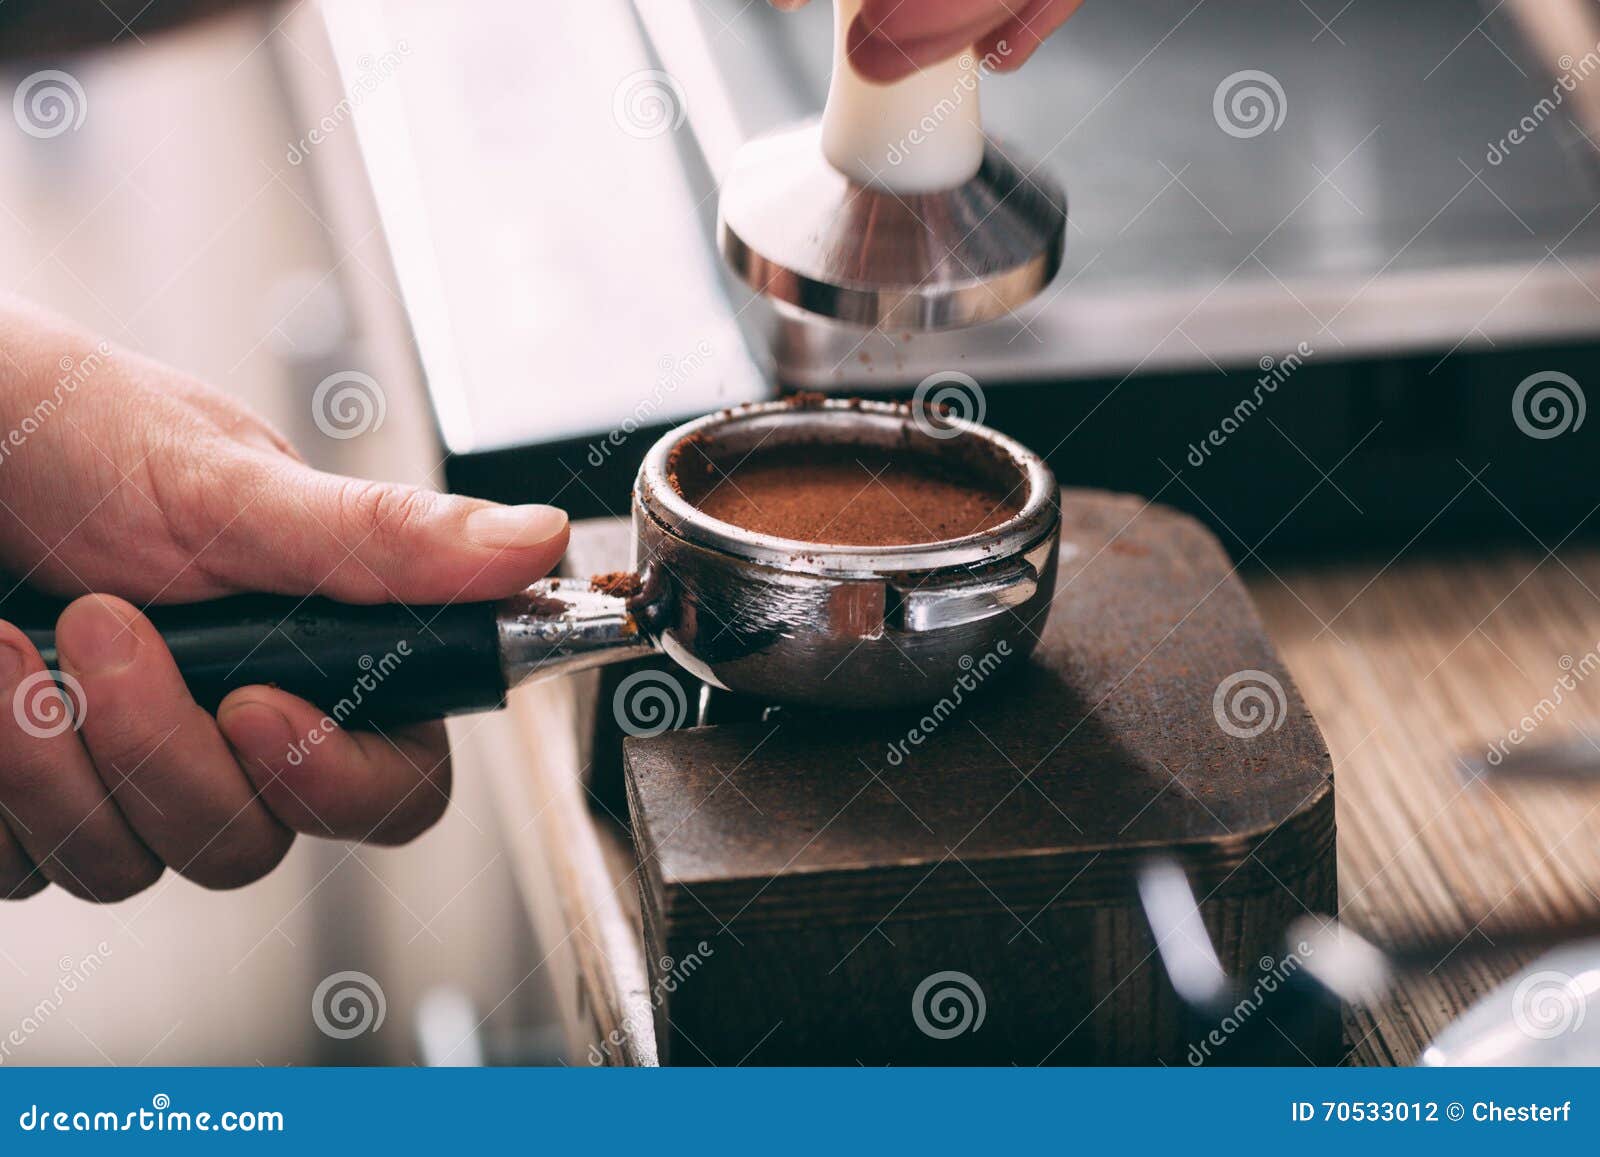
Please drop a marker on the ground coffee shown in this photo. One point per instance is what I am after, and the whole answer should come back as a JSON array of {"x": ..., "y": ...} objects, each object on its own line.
[{"x": 842, "y": 495}]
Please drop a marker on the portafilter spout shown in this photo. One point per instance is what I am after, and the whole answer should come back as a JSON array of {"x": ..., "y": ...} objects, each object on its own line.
[{"x": 894, "y": 209}]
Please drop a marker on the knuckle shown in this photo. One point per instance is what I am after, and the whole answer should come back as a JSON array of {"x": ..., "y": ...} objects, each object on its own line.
[
  {"x": 121, "y": 752},
  {"x": 33, "y": 770},
  {"x": 248, "y": 426},
  {"x": 197, "y": 494},
  {"x": 134, "y": 736},
  {"x": 388, "y": 512}
]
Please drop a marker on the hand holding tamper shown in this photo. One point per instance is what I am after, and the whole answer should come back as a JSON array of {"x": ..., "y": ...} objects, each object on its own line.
[{"x": 894, "y": 209}]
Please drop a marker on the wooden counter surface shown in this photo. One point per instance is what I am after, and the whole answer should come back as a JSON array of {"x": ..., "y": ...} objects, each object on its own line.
[{"x": 1407, "y": 667}]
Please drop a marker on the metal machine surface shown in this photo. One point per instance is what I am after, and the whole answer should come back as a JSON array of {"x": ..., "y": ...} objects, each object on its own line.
[
  {"x": 1244, "y": 177},
  {"x": 1353, "y": 247}
]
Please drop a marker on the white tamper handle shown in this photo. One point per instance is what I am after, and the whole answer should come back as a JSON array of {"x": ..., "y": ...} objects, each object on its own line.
[{"x": 917, "y": 135}]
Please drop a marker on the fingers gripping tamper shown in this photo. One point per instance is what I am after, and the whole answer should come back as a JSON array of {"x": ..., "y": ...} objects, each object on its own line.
[{"x": 894, "y": 209}]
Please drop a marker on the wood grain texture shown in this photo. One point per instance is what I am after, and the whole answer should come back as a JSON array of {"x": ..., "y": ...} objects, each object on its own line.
[
  {"x": 823, "y": 870},
  {"x": 571, "y": 854},
  {"x": 1425, "y": 660},
  {"x": 1408, "y": 667}
]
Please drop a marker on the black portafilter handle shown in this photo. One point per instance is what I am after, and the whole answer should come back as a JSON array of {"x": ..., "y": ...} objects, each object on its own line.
[{"x": 381, "y": 664}]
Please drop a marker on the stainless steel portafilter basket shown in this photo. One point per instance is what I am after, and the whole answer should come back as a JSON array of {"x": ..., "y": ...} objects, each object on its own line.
[
  {"x": 843, "y": 626},
  {"x": 781, "y": 620}
]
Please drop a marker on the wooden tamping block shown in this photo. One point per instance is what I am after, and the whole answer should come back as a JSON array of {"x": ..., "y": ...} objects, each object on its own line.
[{"x": 957, "y": 885}]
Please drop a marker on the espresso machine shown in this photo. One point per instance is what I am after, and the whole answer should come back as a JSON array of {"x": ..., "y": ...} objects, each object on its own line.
[
  {"x": 1295, "y": 208},
  {"x": 1379, "y": 326}
]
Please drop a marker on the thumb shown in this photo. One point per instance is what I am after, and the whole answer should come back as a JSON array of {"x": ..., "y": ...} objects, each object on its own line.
[{"x": 301, "y": 530}]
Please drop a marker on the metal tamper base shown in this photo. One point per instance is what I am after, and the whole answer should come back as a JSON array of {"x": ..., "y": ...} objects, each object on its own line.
[{"x": 794, "y": 228}]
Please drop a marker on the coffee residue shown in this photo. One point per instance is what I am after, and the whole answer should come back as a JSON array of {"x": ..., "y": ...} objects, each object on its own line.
[
  {"x": 623, "y": 584},
  {"x": 687, "y": 458},
  {"x": 546, "y": 607},
  {"x": 842, "y": 494}
]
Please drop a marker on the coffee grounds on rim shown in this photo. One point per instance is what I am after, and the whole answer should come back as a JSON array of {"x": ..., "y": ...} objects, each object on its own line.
[
  {"x": 844, "y": 495},
  {"x": 622, "y": 583}
]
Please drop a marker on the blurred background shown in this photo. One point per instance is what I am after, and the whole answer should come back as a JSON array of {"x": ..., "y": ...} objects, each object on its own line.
[{"x": 171, "y": 222}]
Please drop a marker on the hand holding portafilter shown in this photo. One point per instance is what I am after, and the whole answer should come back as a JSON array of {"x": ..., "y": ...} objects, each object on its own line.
[{"x": 894, "y": 209}]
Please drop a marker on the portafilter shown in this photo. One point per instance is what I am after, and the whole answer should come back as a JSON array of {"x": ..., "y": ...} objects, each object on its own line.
[{"x": 778, "y": 619}]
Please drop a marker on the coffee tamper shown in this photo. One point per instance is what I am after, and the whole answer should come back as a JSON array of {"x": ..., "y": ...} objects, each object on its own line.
[{"x": 893, "y": 209}]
